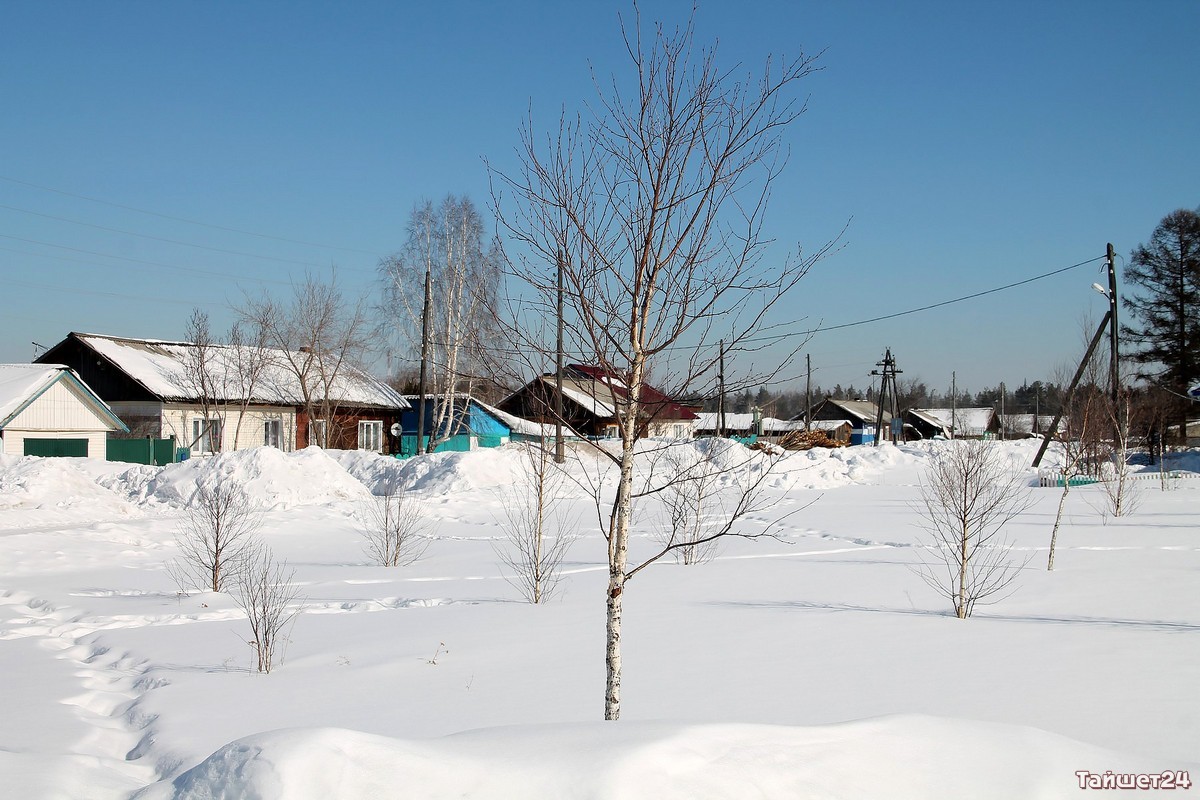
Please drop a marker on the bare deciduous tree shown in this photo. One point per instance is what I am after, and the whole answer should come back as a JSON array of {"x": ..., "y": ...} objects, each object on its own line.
[
  {"x": 692, "y": 505},
  {"x": 267, "y": 592},
  {"x": 537, "y": 533},
  {"x": 653, "y": 211},
  {"x": 447, "y": 241},
  {"x": 1116, "y": 475},
  {"x": 394, "y": 529},
  {"x": 320, "y": 337},
  {"x": 969, "y": 493},
  {"x": 216, "y": 538},
  {"x": 248, "y": 357},
  {"x": 203, "y": 373}
]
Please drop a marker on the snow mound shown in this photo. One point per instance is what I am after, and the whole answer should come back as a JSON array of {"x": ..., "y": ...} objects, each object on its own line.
[
  {"x": 902, "y": 757},
  {"x": 272, "y": 479},
  {"x": 445, "y": 473},
  {"x": 380, "y": 474},
  {"x": 48, "y": 491}
]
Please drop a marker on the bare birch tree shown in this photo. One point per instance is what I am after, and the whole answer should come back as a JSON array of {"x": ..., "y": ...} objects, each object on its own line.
[
  {"x": 320, "y": 337},
  {"x": 969, "y": 493},
  {"x": 448, "y": 242},
  {"x": 538, "y": 534},
  {"x": 653, "y": 210}
]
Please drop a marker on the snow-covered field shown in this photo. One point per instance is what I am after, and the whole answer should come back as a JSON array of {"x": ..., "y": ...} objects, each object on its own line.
[{"x": 812, "y": 665}]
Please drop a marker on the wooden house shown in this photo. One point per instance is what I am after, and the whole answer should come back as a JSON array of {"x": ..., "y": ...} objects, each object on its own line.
[
  {"x": 152, "y": 385},
  {"x": 862, "y": 416},
  {"x": 592, "y": 400},
  {"x": 46, "y": 410}
]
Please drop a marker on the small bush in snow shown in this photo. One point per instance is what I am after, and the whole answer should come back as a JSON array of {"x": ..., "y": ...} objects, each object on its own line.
[
  {"x": 266, "y": 591},
  {"x": 393, "y": 529},
  {"x": 216, "y": 538}
]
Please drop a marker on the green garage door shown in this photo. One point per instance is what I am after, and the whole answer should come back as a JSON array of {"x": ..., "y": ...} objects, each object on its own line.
[{"x": 57, "y": 447}]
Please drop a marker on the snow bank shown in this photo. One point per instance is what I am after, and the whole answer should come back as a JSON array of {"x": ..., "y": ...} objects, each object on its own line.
[
  {"x": 901, "y": 757},
  {"x": 380, "y": 474},
  {"x": 446, "y": 473},
  {"x": 48, "y": 491},
  {"x": 272, "y": 478}
]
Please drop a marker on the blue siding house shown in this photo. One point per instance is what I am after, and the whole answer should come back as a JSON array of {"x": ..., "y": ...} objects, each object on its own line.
[{"x": 468, "y": 426}]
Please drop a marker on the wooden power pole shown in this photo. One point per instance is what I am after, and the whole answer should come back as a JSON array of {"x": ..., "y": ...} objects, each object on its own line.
[{"x": 425, "y": 314}]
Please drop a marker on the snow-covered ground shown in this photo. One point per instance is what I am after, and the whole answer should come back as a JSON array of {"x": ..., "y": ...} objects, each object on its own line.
[{"x": 812, "y": 665}]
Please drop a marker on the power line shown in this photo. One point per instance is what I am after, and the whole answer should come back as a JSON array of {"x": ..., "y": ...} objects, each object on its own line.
[
  {"x": 184, "y": 220},
  {"x": 985, "y": 292},
  {"x": 196, "y": 270},
  {"x": 121, "y": 295},
  {"x": 162, "y": 239},
  {"x": 782, "y": 336}
]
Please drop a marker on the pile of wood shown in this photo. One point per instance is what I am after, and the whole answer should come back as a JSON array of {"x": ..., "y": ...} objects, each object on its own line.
[{"x": 806, "y": 440}]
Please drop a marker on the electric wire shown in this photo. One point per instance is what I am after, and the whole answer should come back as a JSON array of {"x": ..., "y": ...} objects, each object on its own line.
[
  {"x": 183, "y": 219},
  {"x": 163, "y": 239}
]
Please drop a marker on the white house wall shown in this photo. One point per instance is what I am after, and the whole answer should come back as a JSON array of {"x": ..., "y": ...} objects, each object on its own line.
[{"x": 177, "y": 422}]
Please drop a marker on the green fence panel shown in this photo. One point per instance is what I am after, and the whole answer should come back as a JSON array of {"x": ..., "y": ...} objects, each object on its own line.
[
  {"x": 491, "y": 441},
  {"x": 143, "y": 451}
]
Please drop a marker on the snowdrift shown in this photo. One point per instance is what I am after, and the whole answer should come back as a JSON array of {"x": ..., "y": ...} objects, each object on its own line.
[
  {"x": 273, "y": 479},
  {"x": 916, "y": 757}
]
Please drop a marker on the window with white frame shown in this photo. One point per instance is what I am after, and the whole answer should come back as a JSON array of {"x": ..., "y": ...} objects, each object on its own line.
[
  {"x": 205, "y": 434},
  {"x": 316, "y": 432},
  {"x": 273, "y": 433},
  {"x": 370, "y": 435}
]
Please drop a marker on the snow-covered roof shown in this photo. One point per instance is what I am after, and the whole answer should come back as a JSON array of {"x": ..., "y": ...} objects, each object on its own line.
[
  {"x": 928, "y": 417},
  {"x": 1023, "y": 423},
  {"x": 828, "y": 424},
  {"x": 963, "y": 420},
  {"x": 20, "y": 384},
  {"x": 524, "y": 427},
  {"x": 710, "y": 421},
  {"x": 161, "y": 367},
  {"x": 773, "y": 425},
  {"x": 858, "y": 410},
  {"x": 517, "y": 425},
  {"x": 589, "y": 399}
]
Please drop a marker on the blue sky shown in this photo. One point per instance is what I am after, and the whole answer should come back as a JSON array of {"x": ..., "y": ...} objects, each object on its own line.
[{"x": 968, "y": 145}]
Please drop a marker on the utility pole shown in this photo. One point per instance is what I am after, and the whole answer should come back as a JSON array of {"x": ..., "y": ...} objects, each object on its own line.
[
  {"x": 1114, "y": 375},
  {"x": 721, "y": 391},
  {"x": 425, "y": 314},
  {"x": 887, "y": 388},
  {"x": 559, "y": 449},
  {"x": 1071, "y": 389},
  {"x": 953, "y": 403},
  {"x": 1001, "y": 410},
  {"x": 808, "y": 393}
]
